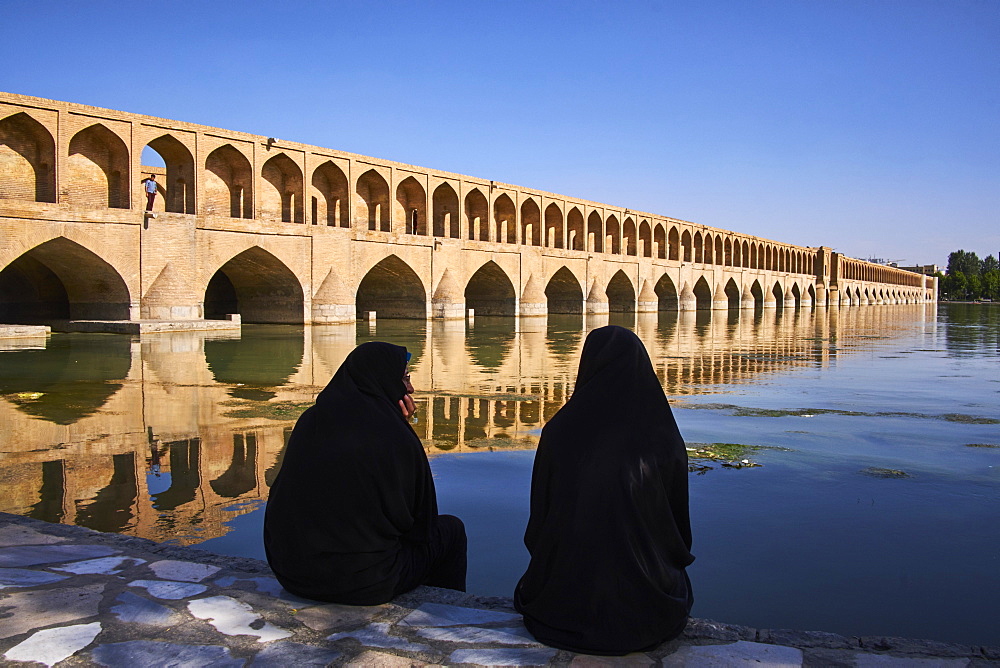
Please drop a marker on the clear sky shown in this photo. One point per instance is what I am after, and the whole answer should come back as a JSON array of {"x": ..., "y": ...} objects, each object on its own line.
[{"x": 869, "y": 126}]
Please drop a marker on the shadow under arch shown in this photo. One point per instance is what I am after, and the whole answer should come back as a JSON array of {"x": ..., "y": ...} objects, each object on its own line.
[
  {"x": 61, "y": 280},
  {"x": 69, "y": 379},
  {"x": 393, "y": 290},
  {"x": 732, "y": 295},
  {"x": 666, "y": 294},
  {"x": 621, "y": 294},
  {"x": 703, "y": 294},
  {"x": 563, "y": 293},
  {"x": 261, "y": 359},
  {"x": 490, "y": 292},
  {"x": 258, "y": 286}
]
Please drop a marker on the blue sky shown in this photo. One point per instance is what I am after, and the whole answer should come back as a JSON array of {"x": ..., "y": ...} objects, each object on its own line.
[{"x": 869, "y": 126}]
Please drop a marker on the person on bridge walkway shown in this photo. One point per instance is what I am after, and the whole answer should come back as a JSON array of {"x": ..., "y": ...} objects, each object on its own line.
[
  {"x": 352, "y": 515},
  {"x": 609, "y": 532},
  {"x": 150, "y": 185}
]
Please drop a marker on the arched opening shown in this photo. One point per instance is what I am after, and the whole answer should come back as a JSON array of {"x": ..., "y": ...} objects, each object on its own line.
[
  {"x": 758, "y": 295},
  {"x": 811, "y": 291},
  {"x": 444, "y": 203},
  {"x": 176, "y": 188},
  {"x": 27, "y": 159},
  {"x": 779, "y": 295},
  {"x": 745, "y": 255},
  {"x": 728, "y": 253},
  {"x": 553, "y": 227},
  {"x": 477, "y": 215},
  {"x": 61, "y": 280},
  {"x": 373, "y": 204},
  {"x": 411, "y": 213},
  {"x": 258, "y": 286},
  {"x": 563, "y": 293},
  {"x": 621, "y": 294},
  {"x": 505, "y": 218},
  {"x": 666, "y": 294},
  {"x": 686, "y": 246},
  {"x": 660, "y": 241},
  {"x": 531, "y": 232},
  {"x": 673, "y": 244},
  {"x": 702, "y": 294},
  {"x": 732, "y": 295},
  {"x": 645, "y": 239},
  {"x": 719, "y": 256},
  {"x": 629, "y": 236},
  {"x": 612, "y": 230},
  {"x": 490, "y": 292},
  {"x": 392, "y": 290},
  {"x": 709, "y": 249},
  {"x": 281, "y": 190},
  {"x": 575, "y": 238},
  {"x": 797, "y": 294},
  {"x": 228, "y": 184},
  {"x": 97, "y": 169},
  {"x": 329, "y": 196},
  {"x": 595, "y": 232},
  {"x": 699, "y": 248}
]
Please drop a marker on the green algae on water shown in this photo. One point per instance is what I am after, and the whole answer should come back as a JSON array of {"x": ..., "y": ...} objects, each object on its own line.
[
  {"x": 879, "y": 472},
  {"x": 274, "y": 410}
]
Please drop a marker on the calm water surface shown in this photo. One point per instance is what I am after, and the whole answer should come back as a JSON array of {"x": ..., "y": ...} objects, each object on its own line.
[{"x": 873, "y": 509}]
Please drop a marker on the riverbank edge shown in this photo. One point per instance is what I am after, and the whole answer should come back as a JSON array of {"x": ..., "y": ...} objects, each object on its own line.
[{"x": 817, "y": 647}]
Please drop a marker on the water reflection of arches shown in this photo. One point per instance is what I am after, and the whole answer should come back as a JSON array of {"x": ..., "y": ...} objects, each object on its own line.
[
  {"x": 393, "y": 290},
  {"x": 258, "y": 286},
  {"x": 69, "y": 379},
  {"x": 61, "y": 280},
  {"x": 621, "y": 294},
  {"x": 112, "y": 509},
  {"x": 489, "y": 341},
  {"x": 185, "y": 476},
  {"x": 241, "y": 476},
  {"x": 262, "y": 359},
  {"x": 50, "y": 506},
  {"x": 490, "y": 291},
  {"x": 563, "y": 293}
]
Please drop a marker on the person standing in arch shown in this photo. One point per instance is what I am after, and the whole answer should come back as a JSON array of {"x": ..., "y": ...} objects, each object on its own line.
[
  {"x": 609, "y": 532},
  {"x": 352, "y": 515},
  {"x": 150, "y": 186}
]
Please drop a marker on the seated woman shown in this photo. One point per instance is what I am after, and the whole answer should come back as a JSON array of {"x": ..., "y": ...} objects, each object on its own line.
[
  {"x": 609, "y": 533},
  {"x": 352, "y": 515}
]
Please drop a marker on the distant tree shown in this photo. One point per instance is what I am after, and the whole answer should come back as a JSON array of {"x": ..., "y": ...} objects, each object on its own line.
[
  {"x": 989, "y": 263},
  {"x": 963, "y": 261},
  {"x": 975, "y": 287},
  {"x": 955, "y": 285},
  {"x": 991, "y": 284}
]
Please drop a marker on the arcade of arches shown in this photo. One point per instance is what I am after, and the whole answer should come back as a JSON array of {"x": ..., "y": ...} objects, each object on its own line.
[{"x": 277, "y": 231}]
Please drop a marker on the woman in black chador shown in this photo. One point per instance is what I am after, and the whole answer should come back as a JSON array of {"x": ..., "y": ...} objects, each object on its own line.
[
  {"x": 609, "y": 533},
  {"x": 352, "y": 516}
]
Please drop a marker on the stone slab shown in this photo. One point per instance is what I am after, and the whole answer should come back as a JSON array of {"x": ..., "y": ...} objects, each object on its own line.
[
  {"x": 150, "y": 654},
  {"x": 503, "y": 657},
  {"x": 377, "y": 635},
  {"x": 233, "y": 617},
  {"x": 54, "y": 645},
  {"x": 31, "y": 555},
  {"x": 438, "y": 614},
  {"x": 186, "y": 571},
  {"x": 740, "y": 653},
  {"x": 30, "y": 610}
]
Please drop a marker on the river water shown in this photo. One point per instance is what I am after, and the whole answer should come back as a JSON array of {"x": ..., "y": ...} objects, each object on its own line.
[{"x": 869, "y": 507}]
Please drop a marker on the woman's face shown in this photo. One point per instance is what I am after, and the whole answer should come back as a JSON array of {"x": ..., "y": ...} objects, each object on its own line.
[{"x": 406, "y": 380}]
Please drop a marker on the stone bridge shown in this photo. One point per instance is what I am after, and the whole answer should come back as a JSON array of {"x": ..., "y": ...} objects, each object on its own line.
[{"x": 283, "y": 232}]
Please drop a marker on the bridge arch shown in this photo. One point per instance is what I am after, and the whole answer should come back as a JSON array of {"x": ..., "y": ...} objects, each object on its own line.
[
  {"x": 757, "y": 293},
  {"x": 621, "y": 293},
  {"x": 178, "y": 186},
  {"x": 531, "y": 231},
  {"x": 646, "y": 239},
  {"x": 553, "y": 227},
  {"x": 505, "y": 218},
  {"x": 778, "y": 293},
  {"x": 595, "y": 232},
  {"x": 576, "y": 238},
  {"x": 563, "y": 293},
  {"x": 718, "y": 257},
  {"x": 393, "y": 290},
  {"x": 490, "y": 291},
  {"x": 629, "y": 236},
  {"x": 27, "y": 159},
  {"x": 97, "y": 169},
  {"x": 666, "y": 294},
  {"x": 258, "y": 286},
  {"x": 228, "y": 185},
  {"x": 702, "y": 294},
  {"x": 797, "y": 295},
  {"x": 732, "y": 292},
  {"x": 281, "y": 190},
  {"x": 660, "y": 241},
  {"x": 699, "y": 248},
  {"x": 329, "y": 196},
  {"x": 612, "y": 229},
  {"x": 373, "y": 201},
  {"x": 61, "y": 279},
  {"x": 477, "y": 216}
]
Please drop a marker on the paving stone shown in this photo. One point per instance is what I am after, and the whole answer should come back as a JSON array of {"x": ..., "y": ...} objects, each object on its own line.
[
  {"x": 11, "y": 534},
  {"x": 706, "y": 628},
  {"x": 590, "y": 661},
  {"x": 503, "y": 657},
  {"x": 914, "y": 646},
  {"x": 53, "y": 645},
  {"x": 323, "y": 617},
  {"x": 740, "y": 653},
  {"x": 32, "y": 555},
  {"x": 30, "y": 610},
  {"x": 263, "y": 585},
  {"x": 168, "y": 590},
  {"x": 282, "y": 654},
  {"x": 150, "y": 654},
  {"x": 234, "y": 617},
  {"x": 377, "y": 635},
  {"x": 472, "y": 634},
  {"x": 22, "y": 577},
  {"x": 185, "y": 571},
  {"x": 885, "y": 661},
  {"x": 102, "y": 566},
  {"x": 439, "y": 614},
  {"x": 372, "y": 659},
  {"x": 139, "y": 610},
  {"x": 807, "y": 639}
]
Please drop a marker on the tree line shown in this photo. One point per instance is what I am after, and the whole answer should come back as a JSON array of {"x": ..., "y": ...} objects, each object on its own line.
[{"x": 969, "y": 277}]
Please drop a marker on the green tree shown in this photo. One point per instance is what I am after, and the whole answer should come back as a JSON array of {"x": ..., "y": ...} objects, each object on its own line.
[
  {"x": 963, "y": 261},
  {"x": 955, "y": 285},
  {"x": 991, "y": 284},
  {"x": 989, "y": 264},
  {"x": 974, "y": 287}
]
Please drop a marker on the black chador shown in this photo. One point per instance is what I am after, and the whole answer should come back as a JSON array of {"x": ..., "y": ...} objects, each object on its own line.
[
  {"x": 352, "y": 515},
  {"x": 609, "y": 533}
]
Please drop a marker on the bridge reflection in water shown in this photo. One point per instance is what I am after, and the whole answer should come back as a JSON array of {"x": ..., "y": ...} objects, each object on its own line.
[{"x": 171, "y": 436}]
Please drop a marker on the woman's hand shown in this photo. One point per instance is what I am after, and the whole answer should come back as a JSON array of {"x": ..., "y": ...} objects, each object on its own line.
[{"x": 407, "y": 406}]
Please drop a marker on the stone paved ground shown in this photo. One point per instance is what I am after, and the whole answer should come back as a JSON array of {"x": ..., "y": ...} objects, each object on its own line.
[{"x": 74, "y": 597}]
